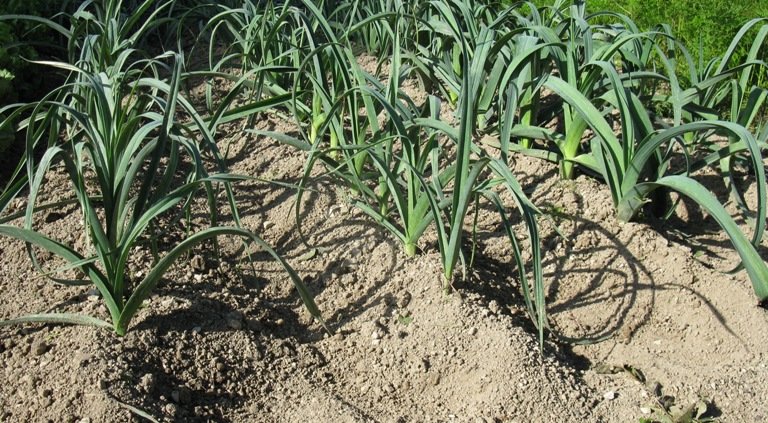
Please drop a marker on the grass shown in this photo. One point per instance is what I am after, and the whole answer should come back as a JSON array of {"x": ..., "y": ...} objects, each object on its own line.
[
  {"x": 691, "y": 23},
  {"x": 594, "y": 91}
]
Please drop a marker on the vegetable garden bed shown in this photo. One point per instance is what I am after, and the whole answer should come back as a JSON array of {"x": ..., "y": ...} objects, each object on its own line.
[{"x": 391, "y": 212}]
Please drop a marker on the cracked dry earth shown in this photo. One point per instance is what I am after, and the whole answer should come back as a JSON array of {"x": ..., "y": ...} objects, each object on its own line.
[{"x": 225, "y": 339}]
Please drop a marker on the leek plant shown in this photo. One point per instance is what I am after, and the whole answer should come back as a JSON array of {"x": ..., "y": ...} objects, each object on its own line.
[
  {"x": 468, "y": 166},
  {"x": 585, "y": 47},
  {"x": 722, "y": 90},
  {"x": 638, "y": 164},
  {"x": 326, "y": 84},
  {"x": 440, "y": 57},
  {"x": 261, "y": 40},
  {"x": 409, "y": 151},
  {"x": 119, "y": 131},
  {"x": 100, "y": 37},
  {"x": 115, "y": 128}
]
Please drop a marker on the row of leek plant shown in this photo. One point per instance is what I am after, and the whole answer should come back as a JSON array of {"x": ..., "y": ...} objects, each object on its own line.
[
  {"x": 594, "y": 75},
  {"x": 599, "y": 70},
  {"x": 405, "y": 167},
  {"x": 131, "y": 161}
]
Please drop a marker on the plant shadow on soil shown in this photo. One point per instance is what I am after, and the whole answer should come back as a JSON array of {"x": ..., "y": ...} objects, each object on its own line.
[
  {"x": 702, "y": 234},
  {"x": 200, "y": 369},
  {"x": 273, "y": 319},
  {"x": 619, "y": 264},
  {"x": 488, "y": 280},
  {"x": 689, "y": 226}
]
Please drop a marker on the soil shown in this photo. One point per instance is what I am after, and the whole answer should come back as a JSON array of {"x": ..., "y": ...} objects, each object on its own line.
[{"x": 227, "y": 339}]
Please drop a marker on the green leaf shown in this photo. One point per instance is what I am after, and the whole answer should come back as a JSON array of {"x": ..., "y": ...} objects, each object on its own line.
[{"x": 753, "y": 263}]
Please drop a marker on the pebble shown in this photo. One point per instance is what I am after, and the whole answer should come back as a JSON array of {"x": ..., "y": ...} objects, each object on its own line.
[
  {"x": 147, "y": 383},
  {"x": 377, "y": 334},
  {"x": 234, "y": 320},
  {"x": 92, "y": 294},
  {"x": 434, "y": 379},
  {"x": 404, "y": 300},
  {"x": 40, "y": 348},
  {"x": 494, "y": 307},
  {"x": 8, "y": 344},
  {"x": 235, "y": 324},
  {"x": 46, "y": 402},
  {"x": 185, "y": 395},
  {"x": 171, "y": 409},
  {"x": 610, "y": 395},
  {"x": 198, "y": 263},
  {"x": 472, "y": 331}
]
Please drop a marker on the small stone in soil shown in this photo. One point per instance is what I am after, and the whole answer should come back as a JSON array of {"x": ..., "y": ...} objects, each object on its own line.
[
  {"x": 171, "y": 409},
  {"x": 40, "y": 348},
  {"x": 434, "y": 379},
  {"x": 404, "y": 300},
  {"x": 235, "y": 320},
  {"x": 184, "y": 395},
  {"x": 235, "y": 324},
  {"x": 198, "y": 263},
  {"x": 610, "y": 395},
  {"x": 46, "y": 402},
  {"x": 147, "y": 383}
]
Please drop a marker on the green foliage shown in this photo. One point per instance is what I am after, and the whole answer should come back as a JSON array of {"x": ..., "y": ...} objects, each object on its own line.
[
  {"x": 16, "y": 47},
  {"x": 114, "y": 126},
  {"x": 625, "y": 93},
  {"x": 702, "y": 26},
  {"x": 6, "y": 133},
  {"x": 18, "y": 80}
]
